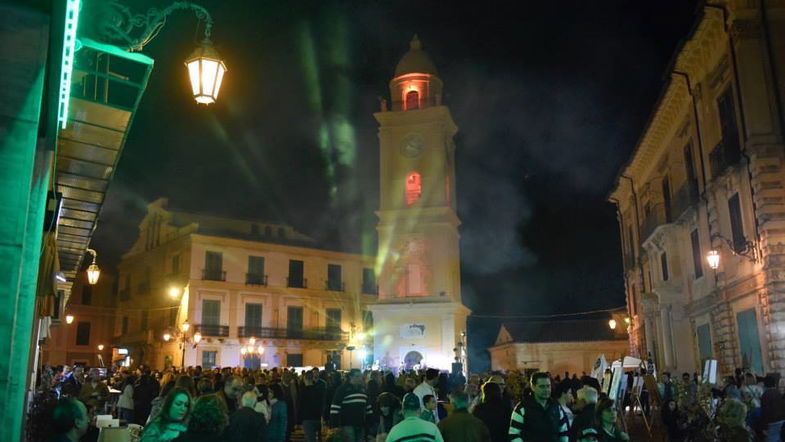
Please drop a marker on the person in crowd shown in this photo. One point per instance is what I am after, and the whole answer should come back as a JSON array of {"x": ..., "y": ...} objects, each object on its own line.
[
  {"x": 171, "y": 420},
  {"x": 208, "y": 421},
  {"x": 125, "y": 402},
  {"x": 772, "y": 407},
  {"x": 461, "y": 426},
  {"x": 389, "y": 414},
  {"x": 94, "y": 393},
  {"x": 732, "y": 426},
  {"x": 145, "y": 390},
  {"x": 70, "y": 420},
  {"x": 262, "y": 403},
  {"x": 584, "y": 411},
  {"x": 187, "y": 383},
  {"x": 427, "y": 387},
  {"x": 312, "y": 404},
  {"x": 167, "y": 383},
  {"x": 350, "y": 408},
  {"x": 672, "y": 419},
  {"x": 204, "y": 386},
  {"x": 412, "y": 428},
  {"x": 588, "y": 434},
  {"x": 668, "y": 389},
  {"x": 276, "y": 429},
  {"x": 71, "y": 385},
  {"x": 537, "y": 417},
  {"x": 429, "y": 410},
  {"x": 493, "y": 411},
  {"x": 563, "y": 396},
  {"x": 730, "y": 390},
  {"x": 246, "y": 424},
  {"x": 688, "y": 393},
  {"x": 233, "y": 388},
  {"x": 605, "y": 422}
]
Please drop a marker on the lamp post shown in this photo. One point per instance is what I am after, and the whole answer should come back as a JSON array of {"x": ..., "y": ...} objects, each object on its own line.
[
  {"x": 183, "y": 338},
  {"x": 252, "y": 351},
  {"x": 93, "y": 272},
  {"x": 132, "y": 31}
]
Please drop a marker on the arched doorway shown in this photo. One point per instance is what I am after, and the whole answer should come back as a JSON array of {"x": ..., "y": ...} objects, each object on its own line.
[
  {"x": 411, "y": 359},
  {"x": 412, "y": 100}
]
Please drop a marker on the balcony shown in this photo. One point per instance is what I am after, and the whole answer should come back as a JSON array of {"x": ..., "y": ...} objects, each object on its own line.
[
  {"x": 255, "y": 279},
  {"x": 221, "y": 331},
  {"x": 684, "y": 198},
  {"x": 213, "y": 275},
  {"x": 722, "y": 157},
  {"x": 298, "y": 283},
  {"x": 313, "y": 334},
  {"x": 651, "y": 222},
  {"x": 335, "y": 286}
]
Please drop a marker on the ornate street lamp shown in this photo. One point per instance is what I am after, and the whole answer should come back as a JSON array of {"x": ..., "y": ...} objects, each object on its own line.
[
  {"x": 93, "y": 272},
  {"x": 174, "y": 292},
  {"x": 612, "y": 324},
  {"x": 100, "y": 347},
  {"x": 197, "y": 337},
  {"x": 69, "y": 319},
  {"x": 206, "y": 69},
  {"x": 167, "y": 336},
  {"x": 713, "y": 257},
  {"x": 186, "y": 326}
]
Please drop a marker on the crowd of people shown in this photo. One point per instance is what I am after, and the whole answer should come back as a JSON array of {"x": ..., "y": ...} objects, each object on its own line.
[{"x": 240, "y": 404}]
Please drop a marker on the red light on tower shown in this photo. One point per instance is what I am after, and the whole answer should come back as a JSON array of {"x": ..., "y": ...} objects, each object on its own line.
[{"x": 413, "y": 188}]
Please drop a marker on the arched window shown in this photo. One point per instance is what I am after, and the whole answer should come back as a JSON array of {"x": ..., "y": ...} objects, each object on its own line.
[
  {"x": 412, "y": 100},
  {"x": 413, "y": 188}
]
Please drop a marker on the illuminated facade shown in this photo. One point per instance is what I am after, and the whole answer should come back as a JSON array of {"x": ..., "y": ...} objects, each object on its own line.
[
  {"x": 419, "y": 317},
  {"x": 239, "y": 283},
  {"x": 707, "y": 174}
]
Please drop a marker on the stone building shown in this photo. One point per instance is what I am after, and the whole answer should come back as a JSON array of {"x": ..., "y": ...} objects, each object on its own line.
[
  {"x": 706, "y": 178},
  {"x": 256, "y": 294}
]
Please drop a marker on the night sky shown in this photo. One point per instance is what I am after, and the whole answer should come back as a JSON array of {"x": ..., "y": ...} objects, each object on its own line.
[{"x": 549, "y": 97}]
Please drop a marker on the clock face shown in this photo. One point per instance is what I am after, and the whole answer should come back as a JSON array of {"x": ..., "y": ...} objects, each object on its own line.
[{"x": 412, "y": 145}]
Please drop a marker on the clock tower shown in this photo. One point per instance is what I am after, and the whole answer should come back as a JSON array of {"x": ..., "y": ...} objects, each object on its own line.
[{"x": 419, "y": 318}]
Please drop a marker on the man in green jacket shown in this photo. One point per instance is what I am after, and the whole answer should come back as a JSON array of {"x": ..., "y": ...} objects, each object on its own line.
[{"x": 461, "y": 426}]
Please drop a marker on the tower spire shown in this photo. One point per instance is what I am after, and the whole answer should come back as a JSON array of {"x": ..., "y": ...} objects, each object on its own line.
[{"x": 415, "y": 44}]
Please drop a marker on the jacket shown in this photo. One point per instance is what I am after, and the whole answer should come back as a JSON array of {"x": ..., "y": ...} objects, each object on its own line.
[
  {"x": 246, "y": 425},
  {"x": 349, "y": 407},
  {"x": 461, "y": 426},
  {"x": 276, "y": 430},
  {"x": 414, "y": 429},
  {"x": 312, "y": 402},
  {"x": 532, "y": 422},
  {"x": 94, "y": 396},
  {"x": 496, "y": 416}
]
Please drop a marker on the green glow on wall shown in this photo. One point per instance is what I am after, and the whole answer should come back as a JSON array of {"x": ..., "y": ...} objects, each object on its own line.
[{"x": 69, "y": 47}]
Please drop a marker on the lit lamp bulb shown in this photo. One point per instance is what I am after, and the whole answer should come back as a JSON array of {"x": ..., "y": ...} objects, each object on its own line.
[
  {"x": 167, "y": 336},
  {"x": 243, "y": 350},
  {"x": 93, "y": 272},
  {"x": 69, "y": 319},
  {"x": 260, "y": 349},
  {"x": 100, "y": 347},
  {"x": 174, "y": 292},
  {"x": 250, "y": 349},
  {"x": 185, "y": 326},
  {"x": 627, "y": 320},
  {"x": 197, "y": 337},
  {"x": 206, "y": 71},
  {"x": 252, "y": 340},
  {"x": 713, "y": 257},
  {"x": 612, "y": 324}
]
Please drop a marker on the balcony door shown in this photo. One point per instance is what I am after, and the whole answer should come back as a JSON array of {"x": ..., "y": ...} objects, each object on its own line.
[
  {"x": 294, "y": 322},
  {"x": 296, "y": 273}
]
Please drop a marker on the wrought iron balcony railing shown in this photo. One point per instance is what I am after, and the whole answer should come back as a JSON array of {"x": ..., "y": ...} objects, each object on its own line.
[
  {"x": 255, "y": 279},
  {"x": 212, "y": 330},
  {"x": 300, "y": 283},
  {"x": 335, "y": 286},
  {"x": 311, "y": 334},
  {"x": 213, "y": 275}
]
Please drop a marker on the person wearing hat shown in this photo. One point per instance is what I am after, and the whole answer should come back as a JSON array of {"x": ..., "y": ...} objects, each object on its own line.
[
  {"x": 412, "y": 428},
  {"x": 426, "y": 387},
  {"x": 588, "y": 434}
]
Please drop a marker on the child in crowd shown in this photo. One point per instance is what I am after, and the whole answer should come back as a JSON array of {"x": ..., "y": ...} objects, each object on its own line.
[{"x": 429, "y": 413}]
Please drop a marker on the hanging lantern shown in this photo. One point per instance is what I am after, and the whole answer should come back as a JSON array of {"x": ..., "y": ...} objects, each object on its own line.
[
  {"x": 93, "y": 272},
  {"x": 713, "y": 257},
  {"x": 100, "y": 347},
  {"x": 197, "y": 337},
  {"x": 185, "y": 326},
  {"x": 612, "y": 324},
  {"x": 242, "y": 351},
  {"x": 206, "y": 71},
  {"x": 69, "y": 319},
  {"x": 167, "y": 336}
]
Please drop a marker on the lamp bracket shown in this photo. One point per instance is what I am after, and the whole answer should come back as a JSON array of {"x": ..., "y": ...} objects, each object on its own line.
[
  {"x": 121, "y": 24},
  {"x": 749, "y": 251}
]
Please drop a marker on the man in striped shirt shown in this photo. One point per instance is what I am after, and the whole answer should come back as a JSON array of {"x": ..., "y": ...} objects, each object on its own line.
[
  {"x": 412, "y": 428},
  {"x": 538, "y": 418},
  {"x": 350, "y": 408}
]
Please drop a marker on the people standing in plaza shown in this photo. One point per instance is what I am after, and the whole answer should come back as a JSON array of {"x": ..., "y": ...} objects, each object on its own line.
[
  {"x": 563, "y": 396},
  {"x": 71, "y": 384},
  {"x": 389, "y": 414},
  {"x": 732, "y": 426},
  {"x": 460, "y": 425},
  {"x": 171, "y": 420},
  {"x": 429, "y": 409},
  {"x": 312, "y": 404},
  {"x": 231, "y": 392},
  {"x": 145, "y": 390},
  {"x": 494, "y": 411},
  {"x": 537, "y": 417},
  {"x": 584, "y": 416},
  {"x": 279, "y": 418},
  {"x": 246, "y": 424},
  {"x": 125, "y": 402},
  {"x": 772, "y": 411},
  {"x": 605, "y": 422},
  {"x": 94, "y": 393},
  {"x": 350, "y": 408},
  {"x": 412, "y": 428},
  {"x": 208, "y": 420},
  {"x": 426, "y": 387},
  {"x": 70, "y": 420}
]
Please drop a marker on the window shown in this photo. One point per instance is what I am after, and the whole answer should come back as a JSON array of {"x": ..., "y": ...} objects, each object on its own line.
[
  {"x": 213, "y": 268},
  {"x": 413, "y": 188},
  {"x": 125, "y": 293},
  {"x": 296, "y": 274},
  {"x": 369, "y": 281},
  {"x": 692, "y": 181},
  {"x": 334, "y": 277},
  {"x": 211, "y": 312},
  {"x": 209, "y": 359},
  {"x": 736, "y": 226},
  {"x": 294, "y": 359},
  {"x": 253, "y": 315},
  {"x": 704, "y": 342},
  {"x": 412, "y": 100},
  {"x": 255, "y": 270},
  {"x": 58, "y": 304},
  {"x": 124, "y": 327},
  {"x": 333, "y": 319},
  {"x": 664, "y": 266},
  {"x": 294, "y": 318},
  {"x": 729, "y": 126},
  {"x": 145, "y": 319},
  {"x": 175, "y": 264},
  {"x": 697, "y": 256},
  {"x": 87, "y": 294},
  {"x": 749, "y": 340},
  {"x": 666, "y": 197},
  {"x": 83, "y": 333}
]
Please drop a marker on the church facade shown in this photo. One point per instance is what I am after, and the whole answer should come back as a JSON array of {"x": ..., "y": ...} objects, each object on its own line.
[{"x": 419, "y": 318}]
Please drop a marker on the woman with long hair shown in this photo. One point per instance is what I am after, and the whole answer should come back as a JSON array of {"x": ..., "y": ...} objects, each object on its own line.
[
  {"x": 276, "y": 429},
  {"x": 389, "y": 414},
  {"x": 605, "y": 422},
  {"x": 494, "y": 411},
  {"x": 172, "y": 418},
  {"x": 209, "y": 419}
]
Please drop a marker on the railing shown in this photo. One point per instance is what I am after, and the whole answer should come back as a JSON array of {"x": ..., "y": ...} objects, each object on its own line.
[
  {"x": 335, "y": 286},
  {"x": 297, "y": 283},
  {"x": 650, "y": 223},
  {"x": 255, "y": 279},
  {"x": 313, "y": 334},
  {"x": 684, "y": 198},
  {"x": 212, "y": 330},
  {"x": 723, "y": 156},
  {"x": 213, "y": 275}
]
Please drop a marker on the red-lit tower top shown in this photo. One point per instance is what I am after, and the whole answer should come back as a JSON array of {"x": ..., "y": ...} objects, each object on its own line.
[{"x": 416, "y": 84}]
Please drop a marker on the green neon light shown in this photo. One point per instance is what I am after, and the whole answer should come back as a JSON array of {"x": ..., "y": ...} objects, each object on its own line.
[{"x": 69, "y": 47}]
